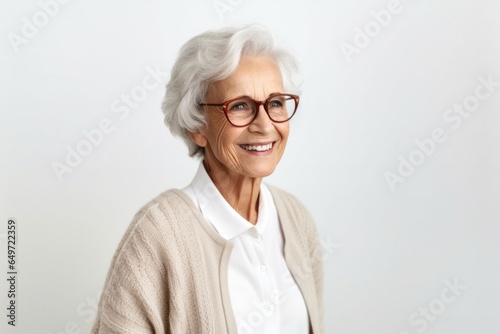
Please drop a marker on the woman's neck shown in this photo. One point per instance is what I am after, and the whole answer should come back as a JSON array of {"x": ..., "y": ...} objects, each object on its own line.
[{"x": 241, "y": 192}]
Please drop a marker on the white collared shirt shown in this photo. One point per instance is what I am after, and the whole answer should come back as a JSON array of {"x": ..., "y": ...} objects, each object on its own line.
[{"x": 264, "y": 295}]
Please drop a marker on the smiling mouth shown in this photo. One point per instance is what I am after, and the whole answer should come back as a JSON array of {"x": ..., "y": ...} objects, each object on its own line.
[{"x": 258, "y": 148}]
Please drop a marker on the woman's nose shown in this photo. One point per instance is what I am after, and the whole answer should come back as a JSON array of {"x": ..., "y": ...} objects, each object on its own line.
[{"x": 262, "y": 122}]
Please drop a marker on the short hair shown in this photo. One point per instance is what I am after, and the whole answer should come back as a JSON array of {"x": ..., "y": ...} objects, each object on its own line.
[{"x": 213, "y": 56}]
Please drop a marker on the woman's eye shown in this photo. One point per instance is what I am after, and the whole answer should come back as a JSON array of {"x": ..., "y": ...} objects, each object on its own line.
[
  {"x": 239, "y": 106},
  {"x": 275, "y": 104}
]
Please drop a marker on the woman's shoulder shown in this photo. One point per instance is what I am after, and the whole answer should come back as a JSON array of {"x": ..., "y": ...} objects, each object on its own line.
[
  {"x": 151, "y": 222},
  {"x": 171, "y": 209},
  {"x": 162, "y": 231},
  {"x": 171, "y": 213},
  {"x": 168, "y": 201}
]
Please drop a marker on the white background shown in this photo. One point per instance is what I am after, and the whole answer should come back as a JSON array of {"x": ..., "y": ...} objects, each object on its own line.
[{"x": 393, "y": 248}]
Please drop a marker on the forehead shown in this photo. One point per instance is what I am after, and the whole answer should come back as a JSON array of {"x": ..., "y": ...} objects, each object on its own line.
[{"x": 255, "y": 76}]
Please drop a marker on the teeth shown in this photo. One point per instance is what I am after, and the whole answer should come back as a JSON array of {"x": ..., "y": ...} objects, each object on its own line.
[{"x": 259, "y": 148}]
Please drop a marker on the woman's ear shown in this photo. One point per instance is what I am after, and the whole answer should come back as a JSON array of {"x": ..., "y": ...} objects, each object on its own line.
[{"x": 198, "y": 138}]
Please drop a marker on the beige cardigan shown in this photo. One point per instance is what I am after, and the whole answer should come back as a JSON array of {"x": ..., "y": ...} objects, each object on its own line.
[{"x": 169, "y": 273}]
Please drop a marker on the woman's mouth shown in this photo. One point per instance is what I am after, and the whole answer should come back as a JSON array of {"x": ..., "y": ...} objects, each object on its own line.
[{"x": 257, "y": 147}]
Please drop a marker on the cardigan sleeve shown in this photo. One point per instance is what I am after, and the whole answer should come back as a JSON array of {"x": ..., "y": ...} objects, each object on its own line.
[
  {"x": 165, "y": 275},
  {"x": 133, "y": 298}
]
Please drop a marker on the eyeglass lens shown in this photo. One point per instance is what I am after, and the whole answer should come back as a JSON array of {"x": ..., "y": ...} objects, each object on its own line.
[{"x": 280, "y": 108}]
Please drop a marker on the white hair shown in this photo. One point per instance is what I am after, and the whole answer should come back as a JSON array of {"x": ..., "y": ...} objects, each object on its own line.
[{"x": 213, "y": 56}]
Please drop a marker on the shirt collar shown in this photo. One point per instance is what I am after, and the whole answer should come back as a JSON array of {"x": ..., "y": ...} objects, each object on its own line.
[{"x": 220, "y": 214}]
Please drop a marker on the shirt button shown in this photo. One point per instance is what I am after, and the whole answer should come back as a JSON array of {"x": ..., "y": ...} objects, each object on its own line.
[
  {"x": 263, "y": 267},
  {"x": 271, "y": 307}
]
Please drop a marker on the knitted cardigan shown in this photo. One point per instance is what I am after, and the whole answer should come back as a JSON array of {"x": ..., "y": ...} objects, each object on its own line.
[{"x": 169, "y": 273}]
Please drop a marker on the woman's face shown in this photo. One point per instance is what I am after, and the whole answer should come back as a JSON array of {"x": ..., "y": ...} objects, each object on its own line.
[{"x": 228, "y": 149}]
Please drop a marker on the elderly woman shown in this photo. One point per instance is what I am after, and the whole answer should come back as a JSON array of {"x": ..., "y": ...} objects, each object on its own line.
[{"x": 226, "y": 254}]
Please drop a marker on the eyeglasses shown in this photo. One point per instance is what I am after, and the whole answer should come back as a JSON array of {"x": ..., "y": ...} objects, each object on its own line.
[{"x": 244, "y": 110}]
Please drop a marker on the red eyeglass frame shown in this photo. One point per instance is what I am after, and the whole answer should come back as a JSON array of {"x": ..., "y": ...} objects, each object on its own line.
[{"x": 257, "y": 104}]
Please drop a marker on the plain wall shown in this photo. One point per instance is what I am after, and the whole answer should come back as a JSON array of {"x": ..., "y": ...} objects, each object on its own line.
[{"x": 408, "y": 104}]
